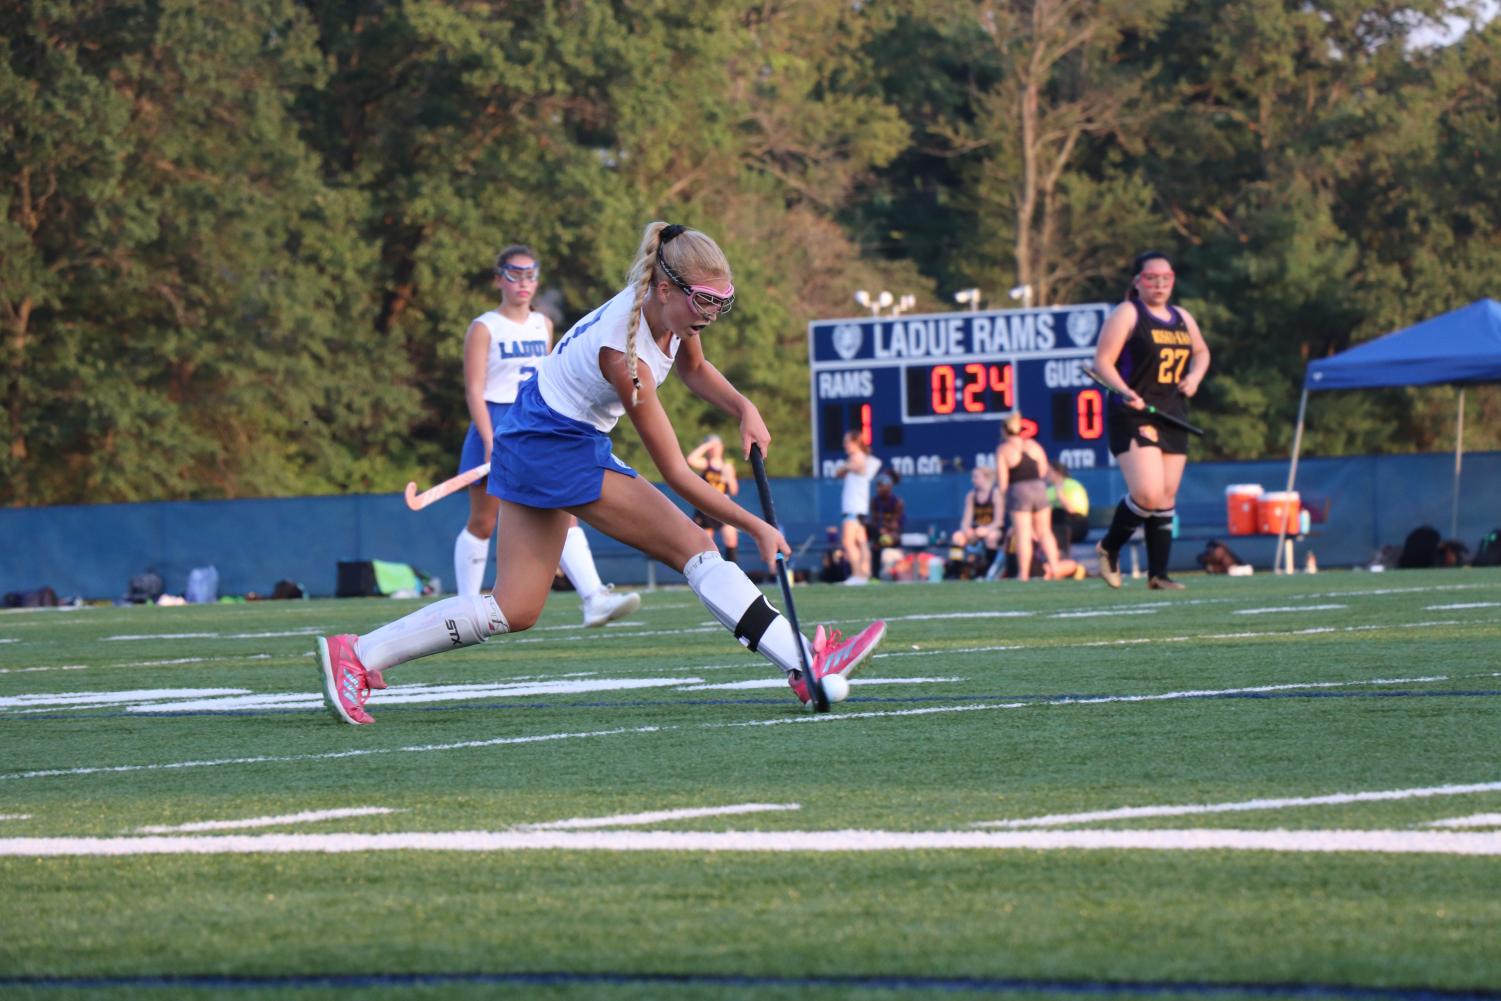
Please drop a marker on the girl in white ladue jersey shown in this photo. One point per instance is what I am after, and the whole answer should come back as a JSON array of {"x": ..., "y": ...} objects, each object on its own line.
[
  {"x": 552, "y": 458},
  {"x": 503, "y": 349},
  {"x": 858, "y": 469}
]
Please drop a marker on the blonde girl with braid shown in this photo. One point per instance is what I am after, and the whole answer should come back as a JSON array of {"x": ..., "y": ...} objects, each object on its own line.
[{"x": 552, "y": 459}]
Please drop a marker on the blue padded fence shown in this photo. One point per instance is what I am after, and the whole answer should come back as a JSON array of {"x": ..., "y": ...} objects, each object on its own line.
[{"x": 91, "y": 551}]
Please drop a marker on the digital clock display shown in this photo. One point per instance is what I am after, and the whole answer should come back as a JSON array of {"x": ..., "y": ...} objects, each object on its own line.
[{"x": 929, "y": 393}]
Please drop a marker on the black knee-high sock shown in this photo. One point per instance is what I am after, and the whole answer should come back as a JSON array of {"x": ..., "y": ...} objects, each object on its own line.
[
  {"x": 1159, "y": 532},
  {"x": 1127, "y": 517},
  {"x": 731, "y": 552}
]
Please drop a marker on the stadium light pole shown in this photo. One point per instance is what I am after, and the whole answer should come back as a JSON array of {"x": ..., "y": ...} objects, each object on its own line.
[
  {"x": 877, "y": 302},
  {"x": 968, "y": 297},
  {"x": 1023, "y": 295}
]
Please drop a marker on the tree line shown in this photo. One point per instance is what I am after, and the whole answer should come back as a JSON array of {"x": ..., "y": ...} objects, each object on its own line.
[{"x": 240, "y": 242}]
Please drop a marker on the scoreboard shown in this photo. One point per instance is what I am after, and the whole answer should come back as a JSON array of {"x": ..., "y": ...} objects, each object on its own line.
[{"x": 929, "y": 393}]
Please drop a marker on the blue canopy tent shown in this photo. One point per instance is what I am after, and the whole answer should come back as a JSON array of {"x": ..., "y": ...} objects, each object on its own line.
[{"x": 1459, "y": 347}]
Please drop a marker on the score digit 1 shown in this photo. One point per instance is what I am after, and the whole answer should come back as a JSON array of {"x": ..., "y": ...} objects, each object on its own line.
[{"x": 865, "y": 433}]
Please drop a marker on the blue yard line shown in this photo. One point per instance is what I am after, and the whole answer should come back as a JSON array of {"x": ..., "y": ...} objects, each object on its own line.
[{"x": 926, "y": 984}]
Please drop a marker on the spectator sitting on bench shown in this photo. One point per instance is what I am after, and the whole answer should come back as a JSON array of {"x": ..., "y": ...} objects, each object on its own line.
[
  {"x": 888, "y": 516},
  {"x": 981, "y": 528}
]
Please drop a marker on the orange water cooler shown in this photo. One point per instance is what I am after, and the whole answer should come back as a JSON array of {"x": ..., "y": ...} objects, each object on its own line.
[
  {"x": 1278, "y": 513},
  {"x": 1241, "y": 508}
]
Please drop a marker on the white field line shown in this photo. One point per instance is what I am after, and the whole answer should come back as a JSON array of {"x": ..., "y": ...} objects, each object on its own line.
[
  {"x": 1474, "y": 820},
  {"x": 822, "y": 718},
  {"x": 1287, "y": 608},
  {"x": 306, "y": 817},
  {"x": 702, "y": 842},
  {"x": 311, "y": 631},
  {"x": 30, "y": 670},
  {"x": 860, "y": 681},
  {"x": 463, "y": 745},
  {"x": 1372, "y": 592},
  {"x": 9, "y": 639},
  {"x": 412, "y": 694},
  {"x": 918, "y": 652},
  {"x": 1471, "y": 604},
  {"x": 1147, "y": 640},
  {"x": 1334, "y": 799},
  {"x": 15, "y": 816},
  {"x": 1093, "y": 701},
  {"x": 110, "y": 698},
  {"x": 1099, "y": 613},
  {"x": 937, "y": 616},
  {"x": 655, "y": 817},
  {"x": 592, "y": 634}
]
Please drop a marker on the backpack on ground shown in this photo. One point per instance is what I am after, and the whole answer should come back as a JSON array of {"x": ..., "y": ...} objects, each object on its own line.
[
  {"x": 145, "y": 588},
  {"x": 203, "y": 586},
  {"x": 1421, "y": 549},
  {"x": 1488, "y": 553},
  {"x": 1218, "y": 557}
]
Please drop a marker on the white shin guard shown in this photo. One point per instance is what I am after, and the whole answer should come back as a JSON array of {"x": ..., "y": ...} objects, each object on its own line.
[
  {"x": 470, "y": 556},
  {"x": 741, "y": 607},
  {"x": 460, "y": 621}
]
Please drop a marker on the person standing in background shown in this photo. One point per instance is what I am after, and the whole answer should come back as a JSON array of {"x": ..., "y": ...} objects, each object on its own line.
[
  {"x": 1020, "y": 466},
  {"x": 859, "y": 468},
  {"x": 502, "y": 349},
  {"x": 708, "y": 461}
]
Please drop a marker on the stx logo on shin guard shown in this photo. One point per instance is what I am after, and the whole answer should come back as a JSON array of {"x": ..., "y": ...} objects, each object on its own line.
[{"x": 453, "y": 631}]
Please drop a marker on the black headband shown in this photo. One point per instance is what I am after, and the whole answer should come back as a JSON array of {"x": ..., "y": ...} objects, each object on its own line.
[{"x": 670, "y": 233}]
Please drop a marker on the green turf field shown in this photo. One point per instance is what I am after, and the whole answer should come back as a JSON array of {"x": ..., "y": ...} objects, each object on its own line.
[{"x": 1266, "y": 786}]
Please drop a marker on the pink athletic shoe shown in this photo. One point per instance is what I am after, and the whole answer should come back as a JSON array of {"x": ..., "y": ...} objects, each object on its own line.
[
  {"x": 834, "y": 655},
  {"x": 346, "y": 683}
]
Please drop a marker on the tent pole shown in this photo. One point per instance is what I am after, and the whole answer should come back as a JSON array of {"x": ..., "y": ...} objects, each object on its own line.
[
  {"x": 1292, "y": 477},
  {"x": 1459, "y": 448}
]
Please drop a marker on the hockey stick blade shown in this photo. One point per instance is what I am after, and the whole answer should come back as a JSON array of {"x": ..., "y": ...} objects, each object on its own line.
[{"x": 417, "y": 501}]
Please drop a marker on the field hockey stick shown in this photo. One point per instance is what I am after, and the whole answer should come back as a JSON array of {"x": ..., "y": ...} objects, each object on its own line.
[
  {"x": 1166, "y": 418},
  {"x": 816, "y": 697},
  {"x": 431, "y": 495}
]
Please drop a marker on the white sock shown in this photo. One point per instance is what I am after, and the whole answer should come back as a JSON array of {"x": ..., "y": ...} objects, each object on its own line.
[
  {"x": 460, "y": 621},
  {"x": 578, "y": 564},
  {"x": 737, "y": 603},
  {"x": 470, "y": 556}
]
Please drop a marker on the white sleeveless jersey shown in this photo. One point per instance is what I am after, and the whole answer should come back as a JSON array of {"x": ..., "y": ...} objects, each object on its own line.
[
  {"x": 571, "y": 382},
  {"x": 516, "y": 351},
  {"x": 855, "y": 499}
]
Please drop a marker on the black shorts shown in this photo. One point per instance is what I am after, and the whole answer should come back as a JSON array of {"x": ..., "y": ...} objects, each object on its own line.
[
  {"x": 706, "y": 522},
  {"x": 1145, "y": 429}
]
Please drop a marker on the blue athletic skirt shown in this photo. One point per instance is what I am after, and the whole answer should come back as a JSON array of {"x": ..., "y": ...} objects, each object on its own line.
[
  {"x": 473, "y": 452},
  {"x": 544, "y": 459}
]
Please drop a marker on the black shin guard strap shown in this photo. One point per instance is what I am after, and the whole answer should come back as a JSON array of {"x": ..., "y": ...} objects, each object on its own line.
[{"x": 754, "y": 623}]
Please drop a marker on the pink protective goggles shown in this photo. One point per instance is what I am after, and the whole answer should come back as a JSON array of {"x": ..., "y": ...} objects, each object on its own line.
[{"x": 707, "y": 297}]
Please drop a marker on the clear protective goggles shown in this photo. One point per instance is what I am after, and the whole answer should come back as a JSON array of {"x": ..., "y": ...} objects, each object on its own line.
[{"x": 513, "y": 274}]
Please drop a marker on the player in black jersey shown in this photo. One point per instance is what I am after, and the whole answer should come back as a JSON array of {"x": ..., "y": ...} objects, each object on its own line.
[{"x": 1150, "y": 352}]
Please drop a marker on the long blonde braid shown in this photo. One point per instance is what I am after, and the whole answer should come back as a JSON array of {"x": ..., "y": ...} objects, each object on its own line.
[
  {"x": 643, "y": 272},
  {"x": 690, "y": 253}
]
